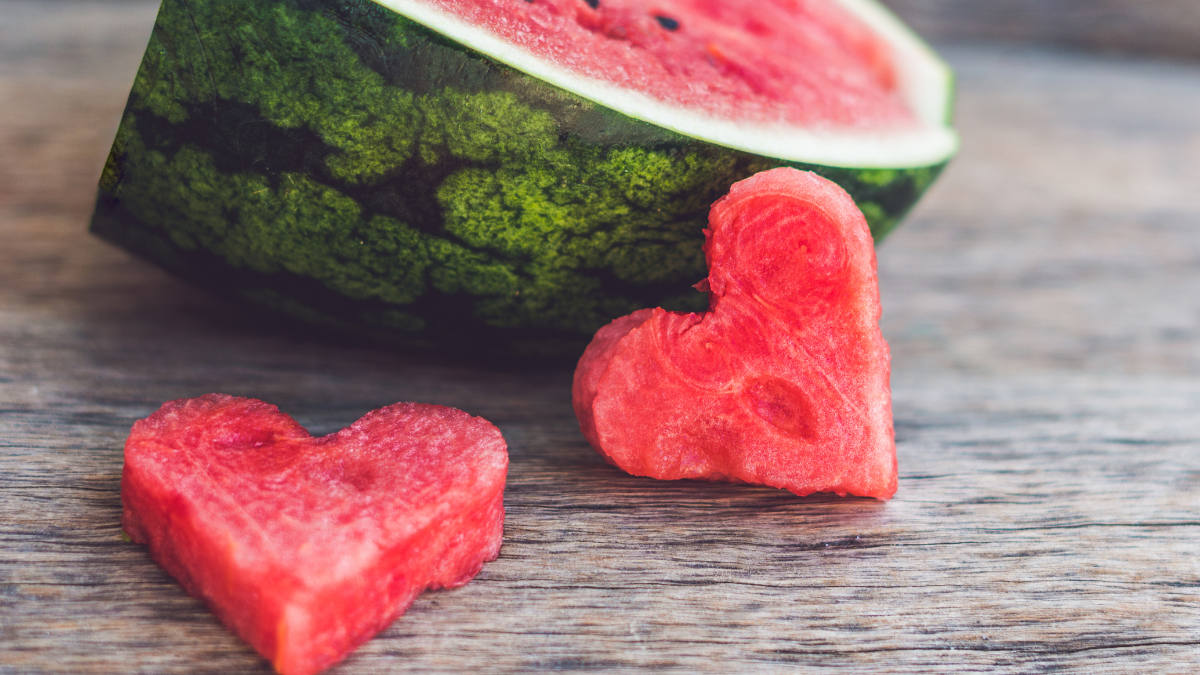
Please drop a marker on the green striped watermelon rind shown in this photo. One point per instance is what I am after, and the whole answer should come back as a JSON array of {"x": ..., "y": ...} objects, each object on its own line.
[{"x": 346, "y": 166}]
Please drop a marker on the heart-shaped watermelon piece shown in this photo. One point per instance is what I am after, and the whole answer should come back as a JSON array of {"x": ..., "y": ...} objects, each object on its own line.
[
  {"x": 783, "y": 381},
  {"x": 306, "y": 547}
]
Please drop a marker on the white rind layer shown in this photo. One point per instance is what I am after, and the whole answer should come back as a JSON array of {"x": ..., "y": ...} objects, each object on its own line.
[{"x": 926, "y": 85}]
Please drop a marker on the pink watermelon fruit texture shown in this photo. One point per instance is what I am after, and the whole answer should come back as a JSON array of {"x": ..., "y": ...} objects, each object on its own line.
[
  {"x": 783, "y": 381},
  {"x": 806, "y": 62},
  {"x": 306, "y": 547}
]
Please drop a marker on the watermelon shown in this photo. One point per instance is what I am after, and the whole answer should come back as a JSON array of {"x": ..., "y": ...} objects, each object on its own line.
[
  {"x": 783, "y": 381},
  {"x": 498, "y": 176},
  {"x": 306, "y": 547}
]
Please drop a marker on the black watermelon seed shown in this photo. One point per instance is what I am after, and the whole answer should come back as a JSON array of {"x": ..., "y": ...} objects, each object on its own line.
[
  {"x": 667, "y": 22},
  {"x": 594, "y": 4}
]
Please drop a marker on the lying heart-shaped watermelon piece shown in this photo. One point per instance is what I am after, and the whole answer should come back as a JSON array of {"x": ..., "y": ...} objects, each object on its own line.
[
  {"x": 783, "y": 381},
  {"x": 306, "y": 547}
]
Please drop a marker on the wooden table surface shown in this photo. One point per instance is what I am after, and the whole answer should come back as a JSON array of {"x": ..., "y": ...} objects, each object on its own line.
[{"x": 1043, "y": 307}]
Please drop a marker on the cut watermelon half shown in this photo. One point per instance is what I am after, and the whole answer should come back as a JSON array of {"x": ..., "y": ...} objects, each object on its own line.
[
  {"x": 499, "y": 177},
  {"x": 783, "y": 382},
  {"x": 306, "y": 547}
]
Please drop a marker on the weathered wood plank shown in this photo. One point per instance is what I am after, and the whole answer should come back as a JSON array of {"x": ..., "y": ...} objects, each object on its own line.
[
  {"x": 1065, "y": 235},
  {"x": 1041, "y": 305},
  {"x": 1168, "y": 28}
]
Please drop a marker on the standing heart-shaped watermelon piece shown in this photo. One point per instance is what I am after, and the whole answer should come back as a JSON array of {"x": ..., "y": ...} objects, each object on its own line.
[
  {"x": 306, "y": 547},
  {"x": 783, "y": 381}
]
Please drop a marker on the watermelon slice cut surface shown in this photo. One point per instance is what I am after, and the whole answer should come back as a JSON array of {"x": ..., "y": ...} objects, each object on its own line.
[
  {"x": 306, "y": 547},
  {"x": 826, "y": 81},
  {"x": 783, "y": 381},
  {"x": 808, "y": 62}
]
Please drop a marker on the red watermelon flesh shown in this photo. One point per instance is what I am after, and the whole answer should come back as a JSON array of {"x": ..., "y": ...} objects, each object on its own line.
[
  {"x": 810, "y": 63},
  {"x": 783, "y": 382},
  {"x": 306, "y": 547}
]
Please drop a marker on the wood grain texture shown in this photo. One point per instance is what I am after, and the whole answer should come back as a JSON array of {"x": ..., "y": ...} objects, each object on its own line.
[
  {"x": 1043, "y": 306},
  {"x": 1168, "y": 28}
]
